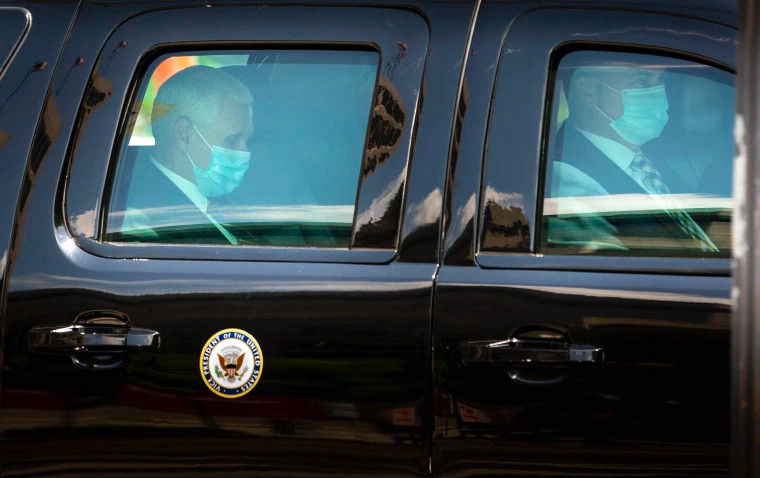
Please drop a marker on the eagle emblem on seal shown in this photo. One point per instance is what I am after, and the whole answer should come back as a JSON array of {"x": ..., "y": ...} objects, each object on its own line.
[{"x": 231, "y": 364}]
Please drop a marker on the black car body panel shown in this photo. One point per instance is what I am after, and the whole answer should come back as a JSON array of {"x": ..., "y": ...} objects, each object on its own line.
[
  {"x": 365, "y": 346},
  {"x": 659, "y": 322}
]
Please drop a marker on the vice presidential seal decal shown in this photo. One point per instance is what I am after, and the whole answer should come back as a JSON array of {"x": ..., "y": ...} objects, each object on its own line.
[{"x": 231, "y": 363}]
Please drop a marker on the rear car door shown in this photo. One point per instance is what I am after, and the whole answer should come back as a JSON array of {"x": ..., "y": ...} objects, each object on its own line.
[
  {"x": 581, "y": 327},
  {"x": 319, "y": 297}
]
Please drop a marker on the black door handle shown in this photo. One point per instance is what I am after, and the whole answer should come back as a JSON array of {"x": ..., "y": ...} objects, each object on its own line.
[
  {"x": 96, "y": 340},
  {"x": 530, "y": 352}
]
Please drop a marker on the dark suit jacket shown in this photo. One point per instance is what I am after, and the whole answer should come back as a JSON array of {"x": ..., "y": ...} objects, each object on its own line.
[
  {"x": 574, "y": 149},
  {"x": 169, "y": 215},
  {"x": 611, "y": 231}
]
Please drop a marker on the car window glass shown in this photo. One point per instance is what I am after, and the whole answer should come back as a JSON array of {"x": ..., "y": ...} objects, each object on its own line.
[
  {"x": 639, "y": 160},
  {"x": 255, "y": 147}
]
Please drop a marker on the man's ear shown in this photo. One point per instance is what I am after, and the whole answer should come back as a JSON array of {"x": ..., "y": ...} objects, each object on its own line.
[{"x": 181, "y": 134}]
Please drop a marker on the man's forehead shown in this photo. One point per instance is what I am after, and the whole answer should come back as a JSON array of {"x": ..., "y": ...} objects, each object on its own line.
[{"x": 233, "y": 106}]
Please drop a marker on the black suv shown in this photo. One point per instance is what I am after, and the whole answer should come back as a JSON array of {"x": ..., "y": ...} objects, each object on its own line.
[{"x": 450, "y": 238}]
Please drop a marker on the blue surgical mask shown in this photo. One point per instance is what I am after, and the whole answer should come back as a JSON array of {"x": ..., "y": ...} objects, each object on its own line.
[
  {"x": 225, "y": 170},
  {"x": 645, "y": 113}
]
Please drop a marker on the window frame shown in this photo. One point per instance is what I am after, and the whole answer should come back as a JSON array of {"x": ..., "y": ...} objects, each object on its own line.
[
  {"x": 128, "y": 54},
  {"x": 529, "y": 61}
]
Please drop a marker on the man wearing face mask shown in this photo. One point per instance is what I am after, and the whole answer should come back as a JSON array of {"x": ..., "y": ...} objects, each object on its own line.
[
  {"x": 202, "y": 119},
  {"x": 613, "y": 112}
]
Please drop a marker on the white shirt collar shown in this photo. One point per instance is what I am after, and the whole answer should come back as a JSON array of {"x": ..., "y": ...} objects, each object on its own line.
[
  {"x": 618, "y": 153},
  {"x": 188, "y": 189}
]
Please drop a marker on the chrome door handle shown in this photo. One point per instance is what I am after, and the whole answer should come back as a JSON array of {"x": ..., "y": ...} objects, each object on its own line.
[
  {"x": 97, "y": 340},
  {"x": 92, "y": 338},
  {"x": 530, "y": 352}
]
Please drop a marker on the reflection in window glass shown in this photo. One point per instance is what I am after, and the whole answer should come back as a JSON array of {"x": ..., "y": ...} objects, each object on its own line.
[
  {"x": 256, "y": 147},
  {"x": 640, "y": 157},
  {"x": 142, "y": 134}
]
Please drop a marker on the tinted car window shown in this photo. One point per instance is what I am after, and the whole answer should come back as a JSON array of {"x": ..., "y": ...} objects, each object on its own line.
[
  {"x": 256, "y": 147},
  {"x": 640, "y": 157}
]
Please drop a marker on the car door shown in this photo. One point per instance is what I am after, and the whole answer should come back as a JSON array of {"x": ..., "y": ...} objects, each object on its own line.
[
  {"x": 29, "y": 51},
  {"x": 558, "y": 349},
  {"x": 112, "y": 360}
]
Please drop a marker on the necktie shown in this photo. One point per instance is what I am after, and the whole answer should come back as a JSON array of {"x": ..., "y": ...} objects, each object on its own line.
[{"x": 641, "y": 167}]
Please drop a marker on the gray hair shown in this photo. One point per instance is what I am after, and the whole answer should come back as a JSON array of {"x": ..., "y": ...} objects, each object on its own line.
[{"x": 195, "y": 92}]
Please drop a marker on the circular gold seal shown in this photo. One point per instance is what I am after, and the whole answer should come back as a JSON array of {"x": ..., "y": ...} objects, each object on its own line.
[{"x": 231, "y": 363}]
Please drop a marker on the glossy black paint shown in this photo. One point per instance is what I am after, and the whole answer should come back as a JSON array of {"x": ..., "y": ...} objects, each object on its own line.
[
  {"x": 345, "y": 334},
  {"x": 466, "y": 157},
  {"x": 659, "y": 405},
  {"x": 14, "y": 25},
  {"x": 23, "y": 91},
  {"x": 423, "y": 208}
]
